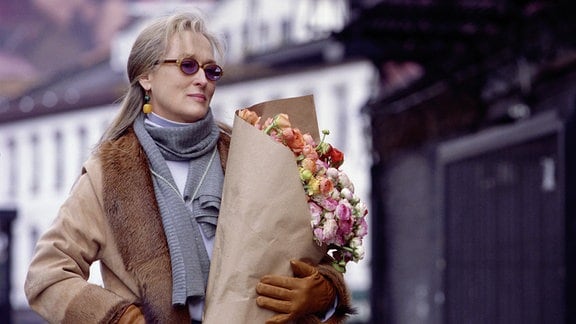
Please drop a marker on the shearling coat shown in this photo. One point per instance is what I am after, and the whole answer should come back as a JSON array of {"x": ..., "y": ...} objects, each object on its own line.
[{"x": 111, "y": 215}]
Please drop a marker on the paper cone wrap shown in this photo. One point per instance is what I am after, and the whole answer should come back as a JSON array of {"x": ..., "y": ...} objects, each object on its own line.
[{"x": 264, "y": 219}]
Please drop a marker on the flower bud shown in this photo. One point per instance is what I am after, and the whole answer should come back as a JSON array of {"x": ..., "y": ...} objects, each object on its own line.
[{"x": 305, "y": 174}]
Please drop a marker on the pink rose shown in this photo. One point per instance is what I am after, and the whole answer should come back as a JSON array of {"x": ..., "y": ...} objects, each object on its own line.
[
  {"x": 329, "y": 229},
  {"x": 316, "y": 212},
  {"x": 319, "y": 235},
  {"x": 362, "y": 228},
  {"x": 327, "y": 203},
  {"x": 343, "y": 210}
]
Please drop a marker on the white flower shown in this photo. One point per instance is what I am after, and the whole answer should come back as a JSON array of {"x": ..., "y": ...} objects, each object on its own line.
[
  {"x": 346, "y": 193},
  {"x": 360, "y": 209},
  {"x": 345, "y": 182},
  {"x": 328, "y": 215},
  {"x": 332, "y": 173},
  {"x": 358, "y": 253},
  {"x": 335, "y": 194}
]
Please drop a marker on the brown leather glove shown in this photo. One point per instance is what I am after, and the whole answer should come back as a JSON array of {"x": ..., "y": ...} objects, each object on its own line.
[
  {"x": 293, "y": 297},
  {"x": 132, "y": 315}
]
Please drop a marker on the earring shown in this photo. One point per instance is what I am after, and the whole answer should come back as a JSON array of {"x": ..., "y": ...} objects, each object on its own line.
[{"x": 147, "y": 107}]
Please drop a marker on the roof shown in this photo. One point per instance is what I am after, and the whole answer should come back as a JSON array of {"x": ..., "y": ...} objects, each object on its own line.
[
  {"x": 409, "y": 30},
  {"x": 458, "y": 41},
  {"x": 77, "y": 88}
]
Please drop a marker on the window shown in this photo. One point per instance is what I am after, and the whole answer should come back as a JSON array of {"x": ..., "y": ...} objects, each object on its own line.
[
  {"x": 35, "y": 180},
  {"x": 83, "y": 144},
  {"x": 59, "y": 163},
  {"x": 13, "y": 172},
  {"x": 264, "y": 39},
  {"x": 34, "y": 236},
  {"x": 286, "y": 31}
]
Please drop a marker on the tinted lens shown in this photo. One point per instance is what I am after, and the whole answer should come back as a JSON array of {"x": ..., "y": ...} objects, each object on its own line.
[
  {"x": 213, "y": 72},
  {"x": 189, "y": 66}
]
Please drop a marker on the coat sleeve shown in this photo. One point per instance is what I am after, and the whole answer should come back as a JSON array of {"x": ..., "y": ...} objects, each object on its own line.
[
  {"x": 56, "y": 284},
  {"x": 344, "y": 307}
]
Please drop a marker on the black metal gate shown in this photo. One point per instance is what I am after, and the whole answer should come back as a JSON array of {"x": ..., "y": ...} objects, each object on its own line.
[
  {"x": 505, "y": 232},
  {"x": 6, "y": 219}
]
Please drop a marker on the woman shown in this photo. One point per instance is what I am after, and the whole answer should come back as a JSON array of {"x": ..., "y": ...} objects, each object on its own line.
[{"x": 159, "y": 164}]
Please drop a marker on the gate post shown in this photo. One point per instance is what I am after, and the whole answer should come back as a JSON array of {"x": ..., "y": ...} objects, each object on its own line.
[{"x": 6, "y": 219}]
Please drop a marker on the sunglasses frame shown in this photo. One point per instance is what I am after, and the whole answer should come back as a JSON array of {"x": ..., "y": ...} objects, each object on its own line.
[{"x": 203, "y": 67}]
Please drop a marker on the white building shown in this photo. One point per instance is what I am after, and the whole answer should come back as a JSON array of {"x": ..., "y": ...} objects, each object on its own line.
[{"x": 41, "y": 156}]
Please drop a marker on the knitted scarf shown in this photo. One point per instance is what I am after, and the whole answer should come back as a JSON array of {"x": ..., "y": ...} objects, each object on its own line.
[{"x": 184, "y": 215}]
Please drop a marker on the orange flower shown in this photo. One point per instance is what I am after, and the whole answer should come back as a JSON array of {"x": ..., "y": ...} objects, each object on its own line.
[
  {"x": 308, "y": 164},
  {"x": 326, "y": 186},
  {"x": 249, "y": 116},
  {"x": 287, "y": 133},
  {"x": 295, "y": 141}
]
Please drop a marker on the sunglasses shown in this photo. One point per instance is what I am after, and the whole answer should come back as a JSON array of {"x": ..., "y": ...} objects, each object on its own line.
[{"x": 190, "y": 66}]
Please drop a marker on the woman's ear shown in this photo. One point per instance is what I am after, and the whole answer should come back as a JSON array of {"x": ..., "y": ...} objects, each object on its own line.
[{"x": 145, "y": 82}]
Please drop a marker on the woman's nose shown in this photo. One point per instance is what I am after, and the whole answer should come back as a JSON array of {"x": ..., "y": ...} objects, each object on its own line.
[{"x": 200, "y": 77}]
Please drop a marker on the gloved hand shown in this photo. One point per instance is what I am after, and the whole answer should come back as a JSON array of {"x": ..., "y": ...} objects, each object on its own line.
[
  {"x": 132, "y": 315},
  {"x": 293, "y": 297}
]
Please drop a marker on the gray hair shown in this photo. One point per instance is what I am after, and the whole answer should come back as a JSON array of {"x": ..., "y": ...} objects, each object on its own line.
[{"x": 150, "y": 46}]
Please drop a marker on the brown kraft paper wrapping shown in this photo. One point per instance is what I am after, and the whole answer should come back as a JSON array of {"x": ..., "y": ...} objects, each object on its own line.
[{"x": 264, "y": 220}]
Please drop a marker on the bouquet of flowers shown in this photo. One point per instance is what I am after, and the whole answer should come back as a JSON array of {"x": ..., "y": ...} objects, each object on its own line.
[
  {"x": 338, "y": 216},
  {"x": 265, "y": 215}
]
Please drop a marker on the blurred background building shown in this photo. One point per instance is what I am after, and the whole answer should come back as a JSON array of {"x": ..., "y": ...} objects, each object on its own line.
[{"x": 457, "y": 118}]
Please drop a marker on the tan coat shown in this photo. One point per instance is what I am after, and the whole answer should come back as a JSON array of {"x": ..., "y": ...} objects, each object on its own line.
[{"x": 112, "y": 216}]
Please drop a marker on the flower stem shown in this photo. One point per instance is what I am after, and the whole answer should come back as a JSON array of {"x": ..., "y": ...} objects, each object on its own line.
[
  {"x": 270, "y": 127},
  {"x": 320, "y": 146}
]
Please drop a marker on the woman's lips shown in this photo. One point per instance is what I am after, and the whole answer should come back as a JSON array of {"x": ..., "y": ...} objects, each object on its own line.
[{"x": 198, "y": 96}]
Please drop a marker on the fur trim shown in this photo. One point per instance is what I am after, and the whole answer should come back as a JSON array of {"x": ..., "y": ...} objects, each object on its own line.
[
  {"x": 82, "y": 309},
  {"x": 223, "y": 147},
  {"x": 133, "y": 213},
  {"x": 344, "y": 308}
]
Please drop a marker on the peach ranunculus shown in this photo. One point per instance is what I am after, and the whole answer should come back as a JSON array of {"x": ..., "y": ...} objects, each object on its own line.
[
  {"x": 277, "y": 124},
  {"x": 326, "y": 186},
  {"x": 295, "y": 141},
  {"x": 308, "y": 164},
  {"x": 249, "y": 116},
  {"x": 282, "y": 121}
]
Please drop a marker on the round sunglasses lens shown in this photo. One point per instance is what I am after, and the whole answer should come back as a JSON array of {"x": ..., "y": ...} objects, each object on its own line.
[
  {"x": 213, "y": 72},
  {"x": 189, "y": 66}
]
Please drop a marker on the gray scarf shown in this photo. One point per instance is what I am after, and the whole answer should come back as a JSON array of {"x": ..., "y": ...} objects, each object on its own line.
[{"x": 183, "y": 216}]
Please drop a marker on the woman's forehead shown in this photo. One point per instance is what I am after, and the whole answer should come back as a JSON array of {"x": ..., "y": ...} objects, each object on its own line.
[{"x": 190, "y": 43}]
